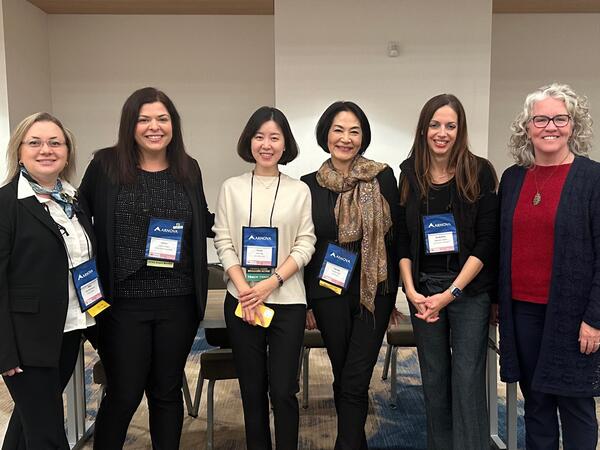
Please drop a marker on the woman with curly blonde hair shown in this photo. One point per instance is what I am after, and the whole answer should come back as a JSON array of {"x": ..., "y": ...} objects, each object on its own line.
[{"x": 549, "y": 292}]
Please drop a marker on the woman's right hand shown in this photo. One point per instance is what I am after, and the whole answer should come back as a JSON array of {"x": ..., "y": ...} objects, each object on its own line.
[
  {"x": 11, "y": 372},
  {"x": 418, "y": 301},
  {"x": 311, "y": 322}
]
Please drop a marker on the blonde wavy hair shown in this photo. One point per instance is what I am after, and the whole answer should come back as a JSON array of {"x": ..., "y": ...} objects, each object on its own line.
[
  {"x": 14, "y": 144},
  {"x": 580, "y": 141}
]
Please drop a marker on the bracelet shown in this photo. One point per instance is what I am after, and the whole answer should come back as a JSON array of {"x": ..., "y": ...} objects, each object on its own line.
[{"x": 279, "y": 279}]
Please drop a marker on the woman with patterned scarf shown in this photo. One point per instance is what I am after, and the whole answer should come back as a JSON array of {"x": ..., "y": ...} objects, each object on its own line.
[
  {"x": 352, "y": 279},
  {"x": 49, "y": 290}
]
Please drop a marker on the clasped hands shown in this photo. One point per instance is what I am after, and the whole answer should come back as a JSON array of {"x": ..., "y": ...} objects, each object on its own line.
[
  {"x": 252, "y": 297},
  {"x": 428, "y": 308}
]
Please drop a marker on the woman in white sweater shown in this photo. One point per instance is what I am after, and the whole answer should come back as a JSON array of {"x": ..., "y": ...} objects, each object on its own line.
[{"x": 264, "y": 238}]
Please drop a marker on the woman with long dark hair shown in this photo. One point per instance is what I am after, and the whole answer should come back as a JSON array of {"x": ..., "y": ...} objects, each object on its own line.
[
  {"x": 448, "y": 239},
  {"x": 151, "y": 218}
]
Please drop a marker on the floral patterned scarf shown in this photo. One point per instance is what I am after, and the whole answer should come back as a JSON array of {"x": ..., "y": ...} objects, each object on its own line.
[{"x": 362, "y": 214}]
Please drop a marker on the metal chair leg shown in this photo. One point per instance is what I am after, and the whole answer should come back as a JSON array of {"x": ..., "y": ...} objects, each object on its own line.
[
  {"x": 210, "y": 420},
  {"x": 393, "y": 381},
  {"x": 197, "y": 396},
  {"x": 305, "y": 378},
  {"x": 386, "y": 362},
  {"x": 186, "y": 395}
]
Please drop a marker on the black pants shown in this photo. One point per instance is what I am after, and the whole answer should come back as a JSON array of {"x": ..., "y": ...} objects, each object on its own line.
[
  {"x": 577, "y": 415},
  {"x": 353, "y": 339},
  {"x": 37, "y": 422},
  {"x": 144, "y": 345},
  {"x": 266, "y": 360}
]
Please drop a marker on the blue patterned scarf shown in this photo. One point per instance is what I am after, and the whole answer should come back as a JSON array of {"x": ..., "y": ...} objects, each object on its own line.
[{"x": 57, "y": 194}]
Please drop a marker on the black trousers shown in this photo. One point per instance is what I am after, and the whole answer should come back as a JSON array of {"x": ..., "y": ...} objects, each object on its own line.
[
  {"x": 143, "y": 346},
  {"x": 353, "y": 339},
  {"x": 577, "y": 415},
  {"x": 266, "y": 360},
  {"x": 37, "y": 422}
]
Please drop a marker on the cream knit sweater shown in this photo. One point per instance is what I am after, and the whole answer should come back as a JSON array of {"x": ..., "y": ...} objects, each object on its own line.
[{"x": 291, "y": 216}]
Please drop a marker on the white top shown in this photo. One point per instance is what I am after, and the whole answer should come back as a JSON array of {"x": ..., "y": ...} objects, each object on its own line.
[
  {"x": 292, "y": 216},
  {"x": 77, "y": 243}
]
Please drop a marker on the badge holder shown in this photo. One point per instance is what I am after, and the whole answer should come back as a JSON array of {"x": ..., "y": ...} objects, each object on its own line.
[
  {"x": 259, "y": 252},
  {"x": 163, "y": 245},
  {"x": 337, "y": 268},
  {"x": 88, "y": 288},
  {"x": 440, "y": 232}
]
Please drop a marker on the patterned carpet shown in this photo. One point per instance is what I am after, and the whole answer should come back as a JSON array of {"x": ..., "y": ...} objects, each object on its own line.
[{"x": 399, "y": 428}]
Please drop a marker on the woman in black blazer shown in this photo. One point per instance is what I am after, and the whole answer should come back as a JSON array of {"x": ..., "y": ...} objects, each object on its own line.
[
  {"x": 44, "y": 232},
  {"x": 151, "y": 222},
  {"x": 355, "y": 207}
]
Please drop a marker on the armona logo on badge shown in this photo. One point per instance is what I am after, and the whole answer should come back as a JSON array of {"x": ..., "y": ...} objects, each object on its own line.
[
  {"x": 165, "y": 230},
  {"x": 340, "y": 257},
  {"x": 259, "y": 238},
  {"x": 437, "y": 225},
  {"x": 85, "y": 274}
]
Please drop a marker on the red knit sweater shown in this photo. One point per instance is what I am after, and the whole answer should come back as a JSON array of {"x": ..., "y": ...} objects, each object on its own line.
[{"x": 533, "y": 233}]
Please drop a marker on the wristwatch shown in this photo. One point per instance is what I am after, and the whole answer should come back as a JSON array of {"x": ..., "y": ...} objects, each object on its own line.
[{"x": 455, "y": 291}]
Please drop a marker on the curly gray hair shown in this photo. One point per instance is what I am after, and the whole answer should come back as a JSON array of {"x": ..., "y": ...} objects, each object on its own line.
[{"x": 580, "y": 141}]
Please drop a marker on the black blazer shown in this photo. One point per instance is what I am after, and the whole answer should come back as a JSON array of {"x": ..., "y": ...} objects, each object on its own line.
[
  {"x": 34, "y": 291},
  {"x": 323, "y": 203},
  {"x": 101, "y": 196}
]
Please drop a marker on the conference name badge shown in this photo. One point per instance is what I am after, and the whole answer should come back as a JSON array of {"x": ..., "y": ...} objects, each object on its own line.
[
  {"x": 440, "y": 233},
  {"x": 88, "y": 288},
  {"x": 163, "y": 245},
  {"x": 337, "y": 268},
  {"x": 259, "y": 252}
]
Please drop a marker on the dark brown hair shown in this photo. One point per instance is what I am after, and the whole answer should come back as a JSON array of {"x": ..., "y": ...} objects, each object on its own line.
[
  {"x": 123, "y": 162},
  {"x": 462, "y": 162}
]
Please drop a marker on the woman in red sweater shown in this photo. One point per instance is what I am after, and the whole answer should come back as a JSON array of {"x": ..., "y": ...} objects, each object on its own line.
[{"x": 550, "y": 270}]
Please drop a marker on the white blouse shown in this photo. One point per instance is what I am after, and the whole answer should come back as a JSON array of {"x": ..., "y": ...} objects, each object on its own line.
[{"x": 78, "y": 246}]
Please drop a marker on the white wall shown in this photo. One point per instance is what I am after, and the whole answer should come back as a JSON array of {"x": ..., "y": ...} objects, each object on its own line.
[
  {"x": 337, "y": 49},
  {"x": 216, "y": 69},
  {"x": 27, "y": 61},
  {"x": 4, "y": 121},
  {"x": 568, "y": 52}
]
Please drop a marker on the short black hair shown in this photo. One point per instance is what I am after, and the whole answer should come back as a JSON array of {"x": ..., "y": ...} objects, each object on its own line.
[
  {"x": 327, "y": 117},
  {"x": 256, "y": 120}
]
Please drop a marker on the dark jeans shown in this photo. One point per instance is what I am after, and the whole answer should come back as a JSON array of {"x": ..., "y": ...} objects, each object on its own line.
[
  {"x": 577, "y": 415},
  {"x": 143, "y": 346},
  {"x": 266, "y": 360},
  {"x": 37, "y": 422},
  {"x": 353, "y": 339},
  {"x": 452, "y": 358}
]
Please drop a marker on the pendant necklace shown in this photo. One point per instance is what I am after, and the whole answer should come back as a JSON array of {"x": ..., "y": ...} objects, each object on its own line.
[
  {"x": 267, "y": 185},
  {"x": 537, "y": 198}
]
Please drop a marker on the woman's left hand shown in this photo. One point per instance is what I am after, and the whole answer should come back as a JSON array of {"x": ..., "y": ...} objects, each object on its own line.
[
  {"x": 435, "y": 304},
  {"x": 258, "y": 293},
  {"x": 589, "y": 339},
  {"x": 395, "y": 318}
]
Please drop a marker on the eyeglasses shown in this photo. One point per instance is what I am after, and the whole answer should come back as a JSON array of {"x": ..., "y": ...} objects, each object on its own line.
[
  {"x": 561, "y": 120},
  {"x": 38, "y": 143}
]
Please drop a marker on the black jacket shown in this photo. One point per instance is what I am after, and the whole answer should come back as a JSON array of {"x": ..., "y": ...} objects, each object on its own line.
[
  {"x": 477, "y": 225},
  {"x": 101, "y": 196},
  {"x": 323, "y": 203},
  {"x": 34, "y": 291}
]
